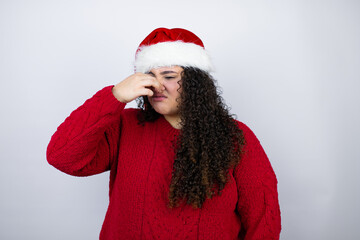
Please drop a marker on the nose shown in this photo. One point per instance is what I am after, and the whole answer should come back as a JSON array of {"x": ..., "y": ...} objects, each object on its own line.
[
  {"x": 160, "y": 80},
  {"x": 162, "y": 85}
]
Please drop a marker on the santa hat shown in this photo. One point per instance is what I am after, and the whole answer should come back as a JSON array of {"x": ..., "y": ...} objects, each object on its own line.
[{"x": 170, "y": 47}]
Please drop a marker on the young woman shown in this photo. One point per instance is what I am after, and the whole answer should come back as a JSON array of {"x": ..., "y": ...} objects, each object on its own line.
[{"x": 181, "y": 167}]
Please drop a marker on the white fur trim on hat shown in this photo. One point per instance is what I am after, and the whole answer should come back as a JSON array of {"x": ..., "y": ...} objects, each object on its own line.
[{"x": 170, "y": 54}]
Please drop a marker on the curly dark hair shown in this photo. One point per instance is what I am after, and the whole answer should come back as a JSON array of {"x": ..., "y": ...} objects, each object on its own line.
[{"x": 209, "y": 143}]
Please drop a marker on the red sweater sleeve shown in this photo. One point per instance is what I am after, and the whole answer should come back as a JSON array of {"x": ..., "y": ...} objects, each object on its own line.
[
  {"x": 258, "y": 204},
  {"x": 86, "y": 143}
]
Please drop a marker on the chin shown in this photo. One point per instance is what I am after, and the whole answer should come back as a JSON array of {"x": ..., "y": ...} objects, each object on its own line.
[
  {"x": 161, "y": 111},
  {"x": 164, "y": 109}
]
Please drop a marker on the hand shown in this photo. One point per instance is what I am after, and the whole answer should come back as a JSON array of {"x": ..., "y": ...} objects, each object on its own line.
[{"x": 136, "y": 85}]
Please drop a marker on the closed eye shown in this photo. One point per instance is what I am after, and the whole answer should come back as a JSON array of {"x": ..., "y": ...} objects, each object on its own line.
[{"x": 169, "y": 77}]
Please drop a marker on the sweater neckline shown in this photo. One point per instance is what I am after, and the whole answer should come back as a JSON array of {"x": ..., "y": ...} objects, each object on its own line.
[{"x": 166, "y": 128}]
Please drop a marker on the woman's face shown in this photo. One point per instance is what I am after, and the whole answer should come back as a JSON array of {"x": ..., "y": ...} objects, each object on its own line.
[{"x": 167, "y": 102}]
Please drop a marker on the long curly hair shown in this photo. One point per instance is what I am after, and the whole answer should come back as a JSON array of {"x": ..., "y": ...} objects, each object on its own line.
[{"x": 209, "y": 143}]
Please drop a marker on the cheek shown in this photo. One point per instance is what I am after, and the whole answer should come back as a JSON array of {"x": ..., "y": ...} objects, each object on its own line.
[{"x": 173, "y": 88}]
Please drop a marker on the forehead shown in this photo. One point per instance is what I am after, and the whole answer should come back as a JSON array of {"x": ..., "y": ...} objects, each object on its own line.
[{"x": 175, "y": 69}]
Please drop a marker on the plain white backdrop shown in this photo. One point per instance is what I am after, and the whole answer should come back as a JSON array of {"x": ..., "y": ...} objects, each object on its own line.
[{"x": 288, "y": 69}]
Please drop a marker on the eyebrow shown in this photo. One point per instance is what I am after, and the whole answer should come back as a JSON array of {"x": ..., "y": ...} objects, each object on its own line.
[{"x": 162, "y": 73}]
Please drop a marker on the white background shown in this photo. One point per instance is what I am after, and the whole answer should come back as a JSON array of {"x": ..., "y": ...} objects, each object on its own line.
[{"x": 288, "y": 69}]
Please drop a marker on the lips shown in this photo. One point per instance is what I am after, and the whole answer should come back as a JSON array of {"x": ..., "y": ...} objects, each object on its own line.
[{"x": 158, "y": 97}]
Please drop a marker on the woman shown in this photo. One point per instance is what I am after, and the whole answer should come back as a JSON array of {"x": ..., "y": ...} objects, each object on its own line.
[{"x": 180, "y": 166}]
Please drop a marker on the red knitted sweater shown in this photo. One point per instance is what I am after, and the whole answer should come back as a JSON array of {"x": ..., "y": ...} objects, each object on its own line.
[{"x": 101, "y": 135}]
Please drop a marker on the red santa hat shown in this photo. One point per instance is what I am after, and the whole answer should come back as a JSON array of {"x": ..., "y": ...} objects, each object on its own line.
[{"x": 170, "y": 47}]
